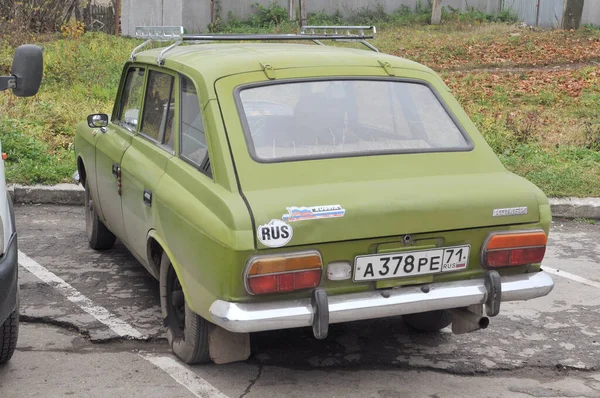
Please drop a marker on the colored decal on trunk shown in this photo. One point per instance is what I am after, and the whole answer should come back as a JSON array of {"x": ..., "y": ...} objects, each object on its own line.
[
  {"x": 313, "y": 212},
  {"x": 275, "y": 234}
]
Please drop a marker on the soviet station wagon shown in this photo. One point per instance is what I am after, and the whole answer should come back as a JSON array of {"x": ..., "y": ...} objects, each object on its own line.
[{"x": 282, "y": 185}]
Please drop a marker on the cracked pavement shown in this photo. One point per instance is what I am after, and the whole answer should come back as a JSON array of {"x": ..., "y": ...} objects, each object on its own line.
[{"x": 547, "y": 347}]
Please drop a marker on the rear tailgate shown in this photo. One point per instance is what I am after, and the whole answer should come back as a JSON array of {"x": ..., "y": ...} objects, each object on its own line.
[{"x": 368, "y": 209}]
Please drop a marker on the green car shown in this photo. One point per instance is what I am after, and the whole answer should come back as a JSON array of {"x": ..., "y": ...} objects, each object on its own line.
[{"x": 272, "y": 185}]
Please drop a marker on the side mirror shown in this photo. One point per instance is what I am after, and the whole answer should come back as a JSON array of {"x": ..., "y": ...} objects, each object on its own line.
[
  {"x": 97, "y": 120},
  {"x": 27, "y": 68}
]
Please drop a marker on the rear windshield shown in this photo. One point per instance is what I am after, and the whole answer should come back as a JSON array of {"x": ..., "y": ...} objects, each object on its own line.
[{"x": 321, "y": 119}]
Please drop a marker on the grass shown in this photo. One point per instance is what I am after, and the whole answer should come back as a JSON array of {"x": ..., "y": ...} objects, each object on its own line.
[
  {"x": 543, "y": 122},
  {"x": 31, "y": 160},
  {"x": 590, "y": 221},
  {"x": 80, "y": 77}
]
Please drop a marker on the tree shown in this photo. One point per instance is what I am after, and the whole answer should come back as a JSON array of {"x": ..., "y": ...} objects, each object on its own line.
[
  {"x": 302, "y": 12},
  {"x": 291, "y": 10},
  {"x": 436, "y": 12}
]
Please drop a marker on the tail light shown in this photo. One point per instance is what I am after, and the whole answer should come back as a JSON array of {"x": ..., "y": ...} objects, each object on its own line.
[
  {"x": 508, "y": 249},
  {"x": 279, "y": 273}
]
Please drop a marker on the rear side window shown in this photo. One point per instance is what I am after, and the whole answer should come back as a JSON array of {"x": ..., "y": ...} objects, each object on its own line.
[
  {"x": 320, "y": 119},
  {"x": 131, "y": 98},
  {"x": 159, "y": 108},
  {"x": 193, "y": 138}
]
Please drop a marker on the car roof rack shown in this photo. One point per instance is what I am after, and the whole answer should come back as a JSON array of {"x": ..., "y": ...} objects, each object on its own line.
[{"x": 315, "y": 34}]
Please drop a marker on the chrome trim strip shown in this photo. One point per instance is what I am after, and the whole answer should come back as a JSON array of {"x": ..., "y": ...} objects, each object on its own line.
[{"x": 254, "y": 317}]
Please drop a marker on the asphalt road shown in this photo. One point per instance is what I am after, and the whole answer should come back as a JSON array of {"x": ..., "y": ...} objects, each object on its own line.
[{"x": 547, "y": 347}]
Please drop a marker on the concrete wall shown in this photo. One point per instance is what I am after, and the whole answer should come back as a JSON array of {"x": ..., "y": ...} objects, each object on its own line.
[
  {"x": 194, "y": 15},
  {"x": 242, "y": 9},
  {"x": 140, "y": 12}
]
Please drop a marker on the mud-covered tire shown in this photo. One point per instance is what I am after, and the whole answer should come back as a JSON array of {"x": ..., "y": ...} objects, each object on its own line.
[
  {"x": 432, "y": 321},
  {"x": 99, "y": 237},
  {"x": 9, "y": 332},
  {"x": 187, "y": 332}
]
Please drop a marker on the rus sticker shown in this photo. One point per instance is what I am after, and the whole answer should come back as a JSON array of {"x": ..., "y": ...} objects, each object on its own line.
[
  {"x": 313, "y": 212},
  {"x": 511, "y": 211},
  {"x": 275, "y": 233}
]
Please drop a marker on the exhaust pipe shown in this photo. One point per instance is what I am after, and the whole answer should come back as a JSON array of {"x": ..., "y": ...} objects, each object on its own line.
[{"x": 465, "y": 320}]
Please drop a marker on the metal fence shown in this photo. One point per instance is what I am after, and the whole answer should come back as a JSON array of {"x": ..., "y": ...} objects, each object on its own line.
[{"x": 543, "y": 13}]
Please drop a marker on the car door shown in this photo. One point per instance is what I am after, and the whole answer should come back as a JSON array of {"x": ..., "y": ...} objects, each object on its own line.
[
  {"x": 145, "y": 161},
  {"x": 112, "y": 144}
]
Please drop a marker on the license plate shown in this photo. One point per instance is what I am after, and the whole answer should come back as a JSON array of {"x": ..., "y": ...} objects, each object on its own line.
[{"x": 411, "y": 263}]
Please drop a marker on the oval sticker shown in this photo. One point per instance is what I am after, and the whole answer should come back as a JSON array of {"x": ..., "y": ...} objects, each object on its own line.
[{"x": 276, "y": 233}]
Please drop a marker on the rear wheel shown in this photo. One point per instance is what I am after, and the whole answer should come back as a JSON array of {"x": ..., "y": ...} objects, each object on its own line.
[
  {"x": 9, "y": 332},
  {"x": 99, "y": 237},
  {"x": 187, "y": 332},
  {"x": 431, "y": 321}
]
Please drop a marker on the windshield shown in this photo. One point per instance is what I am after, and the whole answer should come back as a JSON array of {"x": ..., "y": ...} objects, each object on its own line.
[{"x": 316, "y": 119}]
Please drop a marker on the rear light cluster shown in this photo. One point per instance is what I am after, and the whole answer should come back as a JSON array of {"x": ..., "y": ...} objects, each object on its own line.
[
  {"x": 508, "y": 249},
  {"x": 279, "y": 273}
]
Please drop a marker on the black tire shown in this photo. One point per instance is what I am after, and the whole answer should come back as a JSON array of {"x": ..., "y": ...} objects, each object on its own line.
[
  {"x": 99, "y": 237},
  {"x": 187, "y": 332},
  {"x": 432, "y": 321},
  {"x": 9, "y": 332}
]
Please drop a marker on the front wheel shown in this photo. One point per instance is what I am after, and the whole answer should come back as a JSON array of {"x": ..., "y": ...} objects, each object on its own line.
[
  {"x": 99, "y": 237},
  {"x": 9, "y": 332},
  {"x": 431, "y": 321},
  {"x": 187, "y": 332}
]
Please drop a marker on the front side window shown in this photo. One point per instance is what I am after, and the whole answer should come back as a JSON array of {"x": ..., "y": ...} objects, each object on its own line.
[
  {"x": 159, "y": 107},
  {"x": 193, "y": 138},
  {"x": 346, "y": 117},
  {"x": 131, "y": 98}
]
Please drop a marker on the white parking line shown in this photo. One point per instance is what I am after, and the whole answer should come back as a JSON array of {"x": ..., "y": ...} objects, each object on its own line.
[
  {"x": 180, "y": 373},
  {"x": 184, "y": 376},
  {"x": 573, "y": 277},
  {"x": 118, "y": 326}
]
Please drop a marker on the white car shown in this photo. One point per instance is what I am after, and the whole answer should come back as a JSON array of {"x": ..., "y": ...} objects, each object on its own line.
[{"x": 25, "y": 78}]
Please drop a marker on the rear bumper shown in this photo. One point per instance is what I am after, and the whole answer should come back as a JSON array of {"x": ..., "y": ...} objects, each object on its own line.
[{"x": 254, "y": 317}]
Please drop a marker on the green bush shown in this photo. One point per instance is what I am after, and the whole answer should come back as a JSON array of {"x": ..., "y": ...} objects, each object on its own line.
[
  {"x": 472, "y": 15},
  {"x": 275, "y": 16},
  {"x": 324, "y": 19},
  {"x": 367, "y": 15},
  {"x": 271, "y": 15}
]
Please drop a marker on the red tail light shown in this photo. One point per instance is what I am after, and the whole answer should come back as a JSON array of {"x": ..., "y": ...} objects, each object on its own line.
[
  {"x": 280, "y": 273},
  {"x": 509, "y": 249}
]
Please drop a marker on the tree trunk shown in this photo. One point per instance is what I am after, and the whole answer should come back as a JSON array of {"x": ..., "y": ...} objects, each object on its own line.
[
  {"x": 291, "y": 10},
  {"x": 117, "y": 17},
  {"x": 436, "y": 12},
  {"x": 302, "y": 12},
  {"x": 572, "y": 15}
]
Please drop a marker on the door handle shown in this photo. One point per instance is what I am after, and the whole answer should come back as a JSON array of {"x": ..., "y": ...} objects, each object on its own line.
[{"x": 147, "y": 197}]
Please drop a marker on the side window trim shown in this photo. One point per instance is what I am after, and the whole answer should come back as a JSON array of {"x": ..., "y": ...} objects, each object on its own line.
[
  {"x": 159, "y": 143},
  {"x": 205, "y": 166},
  {"x": 116, "y": 116}
]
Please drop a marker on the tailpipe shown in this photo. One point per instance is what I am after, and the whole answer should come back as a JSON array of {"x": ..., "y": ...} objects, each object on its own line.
[{"x": 468, "y": 319}]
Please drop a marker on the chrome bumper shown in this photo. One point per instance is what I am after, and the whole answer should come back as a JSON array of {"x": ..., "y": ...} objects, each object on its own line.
[{"x": 255, "y": 317}]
